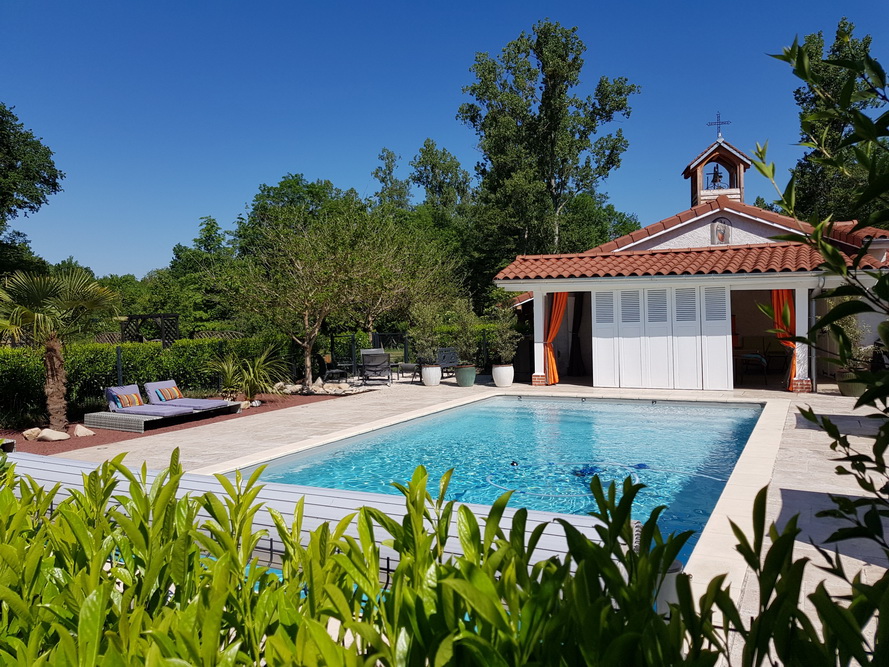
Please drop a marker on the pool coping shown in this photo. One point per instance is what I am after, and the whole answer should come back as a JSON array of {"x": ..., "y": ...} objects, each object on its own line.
[{"x": 715, "y": 551}]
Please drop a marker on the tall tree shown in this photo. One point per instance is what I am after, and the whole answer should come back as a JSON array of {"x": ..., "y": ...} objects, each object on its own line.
[
  {"x": 441, "y": 176},
  {"x": 49, "y": 308},
  {"x": 590, "y": 220},
  {"x": 292, "y": 192},
  {"x": 394, "y": 193},
  {"x": 827, "y": 181},
  {"x": 28, "y": 174},
  {"x": 299, "y": 272},
  {"x": 449, "y": 196},
  {"x": 189, "y": 286},
  {"x": 537, "y": 136}
]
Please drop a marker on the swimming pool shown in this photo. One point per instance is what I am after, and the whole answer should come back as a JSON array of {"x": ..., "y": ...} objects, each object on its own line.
[{"x": 546, "y": 450}]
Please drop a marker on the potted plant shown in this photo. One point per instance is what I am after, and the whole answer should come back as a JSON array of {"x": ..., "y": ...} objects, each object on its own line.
[
  {"x": 859, "y": 360},
  {"x": 424, "y": 340},
  {"x": 465, "y": 337},
  {"x": 503, "y": 341}
]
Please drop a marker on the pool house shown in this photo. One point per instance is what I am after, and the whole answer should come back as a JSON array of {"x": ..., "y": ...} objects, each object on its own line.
[{"x": 675, "y": 305}]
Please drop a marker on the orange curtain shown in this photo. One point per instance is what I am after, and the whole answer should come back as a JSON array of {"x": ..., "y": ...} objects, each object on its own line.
[
  {"x": 781, "y": 299},
  {"x": 556, "y": 313}
]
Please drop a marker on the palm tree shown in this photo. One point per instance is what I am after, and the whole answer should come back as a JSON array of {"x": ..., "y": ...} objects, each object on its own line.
[{"x": 47, "y": 309}]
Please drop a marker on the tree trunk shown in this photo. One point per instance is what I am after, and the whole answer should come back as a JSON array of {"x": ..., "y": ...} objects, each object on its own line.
[
  {"x": 307, "y": 359},
  {"x": 54, "y": 387}
]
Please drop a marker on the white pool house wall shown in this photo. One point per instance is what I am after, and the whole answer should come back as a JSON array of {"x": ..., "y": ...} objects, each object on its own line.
[{"x": 669, "y": 332}]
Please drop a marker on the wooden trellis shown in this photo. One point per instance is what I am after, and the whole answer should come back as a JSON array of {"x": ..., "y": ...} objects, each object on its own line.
[{"x": 167, "y": 325}]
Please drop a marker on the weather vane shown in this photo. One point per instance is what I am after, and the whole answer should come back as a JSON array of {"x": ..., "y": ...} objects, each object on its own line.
[{"x": 719, "y": 123}]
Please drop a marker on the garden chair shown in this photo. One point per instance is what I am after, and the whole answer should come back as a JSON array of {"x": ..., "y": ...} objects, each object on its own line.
[{"x": 376, "y": 365}]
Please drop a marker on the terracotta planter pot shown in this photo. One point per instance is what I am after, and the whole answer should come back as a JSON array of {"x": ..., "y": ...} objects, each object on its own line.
[
  {"x": 431, "y": 374},
  {"x": 503, "y": 374},
  {"x": 465, "y": 375}
]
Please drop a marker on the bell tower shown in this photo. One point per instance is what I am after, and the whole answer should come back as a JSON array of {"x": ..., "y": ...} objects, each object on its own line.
[{"x": 718, "y": 171}]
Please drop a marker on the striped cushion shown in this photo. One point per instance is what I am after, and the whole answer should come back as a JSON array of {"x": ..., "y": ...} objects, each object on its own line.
[
  {"x": 168, "y": 393},
  {"x": 128, "y": 400}
]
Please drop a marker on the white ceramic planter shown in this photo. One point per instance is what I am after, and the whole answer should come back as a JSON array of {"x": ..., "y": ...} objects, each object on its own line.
[
  {"x": 431, "y": 375},
  {"x": 503, "y": 374}
]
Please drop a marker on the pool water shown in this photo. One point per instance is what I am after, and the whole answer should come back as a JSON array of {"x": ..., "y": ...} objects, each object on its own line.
[{"x": 547, "y": 451}]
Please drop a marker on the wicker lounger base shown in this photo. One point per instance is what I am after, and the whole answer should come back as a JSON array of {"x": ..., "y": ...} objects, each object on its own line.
[{"x": 117, "y": 421}]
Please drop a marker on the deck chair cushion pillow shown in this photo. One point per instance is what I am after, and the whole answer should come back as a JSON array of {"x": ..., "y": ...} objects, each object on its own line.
[
  {"x": 128, "y": 400},
  {"x": 168, "y": 393}
]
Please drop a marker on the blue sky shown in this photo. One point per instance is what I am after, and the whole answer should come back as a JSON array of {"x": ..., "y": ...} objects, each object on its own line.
[{"x": 162, "y": 112}]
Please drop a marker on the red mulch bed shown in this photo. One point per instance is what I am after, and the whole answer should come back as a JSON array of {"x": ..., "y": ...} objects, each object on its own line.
[{"x": 105, "y": 436}]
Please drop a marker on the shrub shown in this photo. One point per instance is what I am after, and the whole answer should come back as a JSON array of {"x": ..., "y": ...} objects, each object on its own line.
[
  {"x": 129, "y": 572},
  {"x": 93, "y": 366},
  {"x": 21, "y": 386}
]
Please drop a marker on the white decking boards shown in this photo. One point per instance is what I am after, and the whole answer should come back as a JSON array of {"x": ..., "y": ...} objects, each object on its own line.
[
  {"x": 662, "y": 338},
  {"x": 321, "y": 505}
]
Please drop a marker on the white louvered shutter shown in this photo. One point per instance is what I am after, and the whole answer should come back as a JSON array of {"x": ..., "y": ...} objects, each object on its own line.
[
  {"x": 605, "y": 335},
  {"x": 687, "y": 372},
  {"x": 716, "y": 337}
]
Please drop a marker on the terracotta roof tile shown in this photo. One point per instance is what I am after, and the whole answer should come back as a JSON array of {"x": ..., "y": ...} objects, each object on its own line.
[
  {"x": 760, "y": 258},
  {"x": 841, "y": 230}
]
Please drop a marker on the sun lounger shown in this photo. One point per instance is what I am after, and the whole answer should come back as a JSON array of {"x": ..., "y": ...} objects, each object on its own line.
[
  {"x": 127, "y": 399},
  {"x": 166, "y": 393},
  {"x": 128, "y": 411}
]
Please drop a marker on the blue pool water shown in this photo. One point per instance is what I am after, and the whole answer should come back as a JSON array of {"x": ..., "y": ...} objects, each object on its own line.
[{"x": 546, "y": 450}]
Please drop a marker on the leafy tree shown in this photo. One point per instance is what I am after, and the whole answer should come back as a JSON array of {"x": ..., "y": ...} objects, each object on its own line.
[
  {"x": 209, "y": 247},
  {"x": 398, "y": 266},
  {"x": 590, "y": 220},
  {"x": 190, "y": 284},
  {"x": 70, "y": 264},
  {"x": 134, "y": 294},
  {"x": 537, "y": 135},
  {"x": 28, "y": 174},
  {"x": 48, "y": 308},
  {"x": 828, "y": 180},
  {"x": 394, "y": 193},
  {"x": 16, "y": 254},
  {"x": 299, "y": 271},
  {"x": 439, "y": 173},
  {"x": 293, "y": 192},
  {"x": 760, "y": 202}
]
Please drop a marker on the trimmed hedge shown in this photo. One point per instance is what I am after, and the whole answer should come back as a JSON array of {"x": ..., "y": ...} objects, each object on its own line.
[{"x": 93, "y": 366}]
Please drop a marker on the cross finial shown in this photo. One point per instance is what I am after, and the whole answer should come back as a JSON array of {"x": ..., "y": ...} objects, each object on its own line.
[{"x": 719, "y": 123}]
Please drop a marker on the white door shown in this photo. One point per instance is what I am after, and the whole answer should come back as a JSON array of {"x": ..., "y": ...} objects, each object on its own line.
[
  {"x": 630, "y": 342},
  {"x": 605, "y": 337},
  {"x": 716, "y": 338},
  {"x": 687, "y": 372},
  {"x": 657, "y": 356}
]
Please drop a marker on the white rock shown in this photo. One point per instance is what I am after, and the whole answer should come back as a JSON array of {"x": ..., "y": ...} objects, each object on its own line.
[
  {"x": 292, "y": 388},
  {"x": 280, "y": 385},
  {"x": 48, "y": 435},
  {"x": 255, "y": 404},
  {"x": 31, "y": 433},
  {"x": 81, "y": 431},
  {"x": 245, "y": 405},
  {"x": 318, "y": 382}
]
